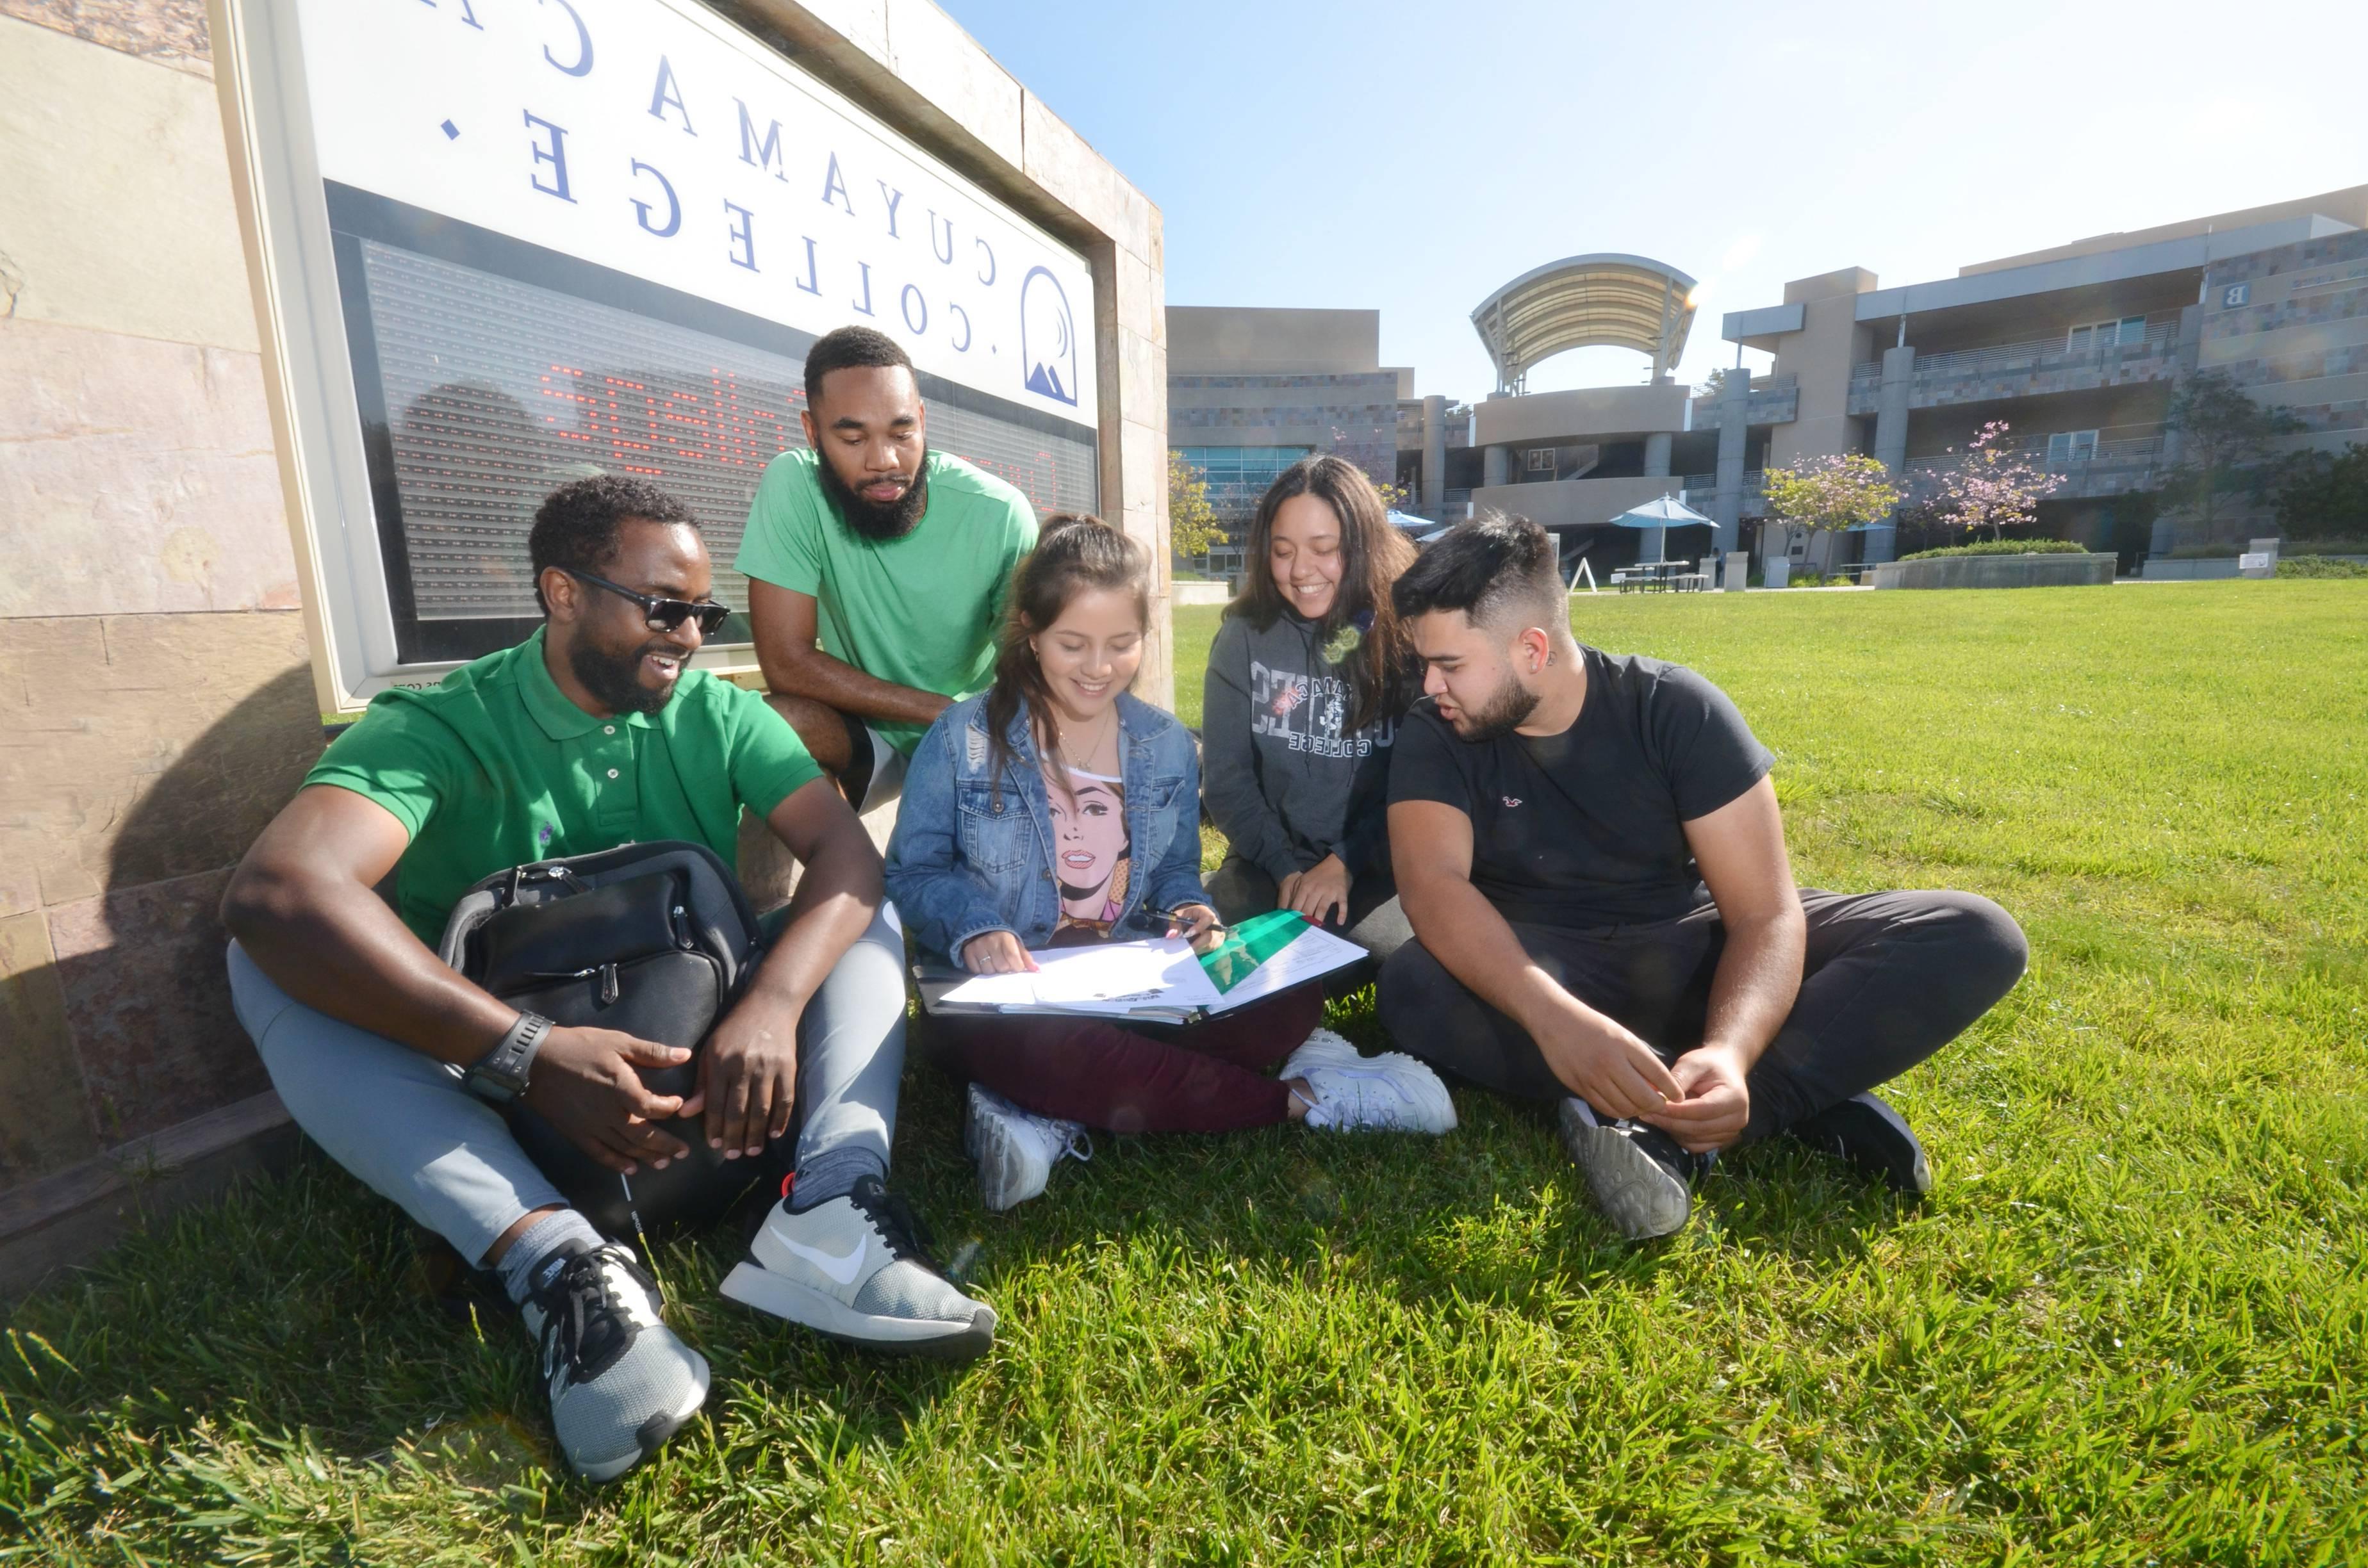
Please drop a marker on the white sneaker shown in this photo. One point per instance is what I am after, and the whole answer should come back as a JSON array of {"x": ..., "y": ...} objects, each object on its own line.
[
  {"x": 1016, "y": 1149},
  {"x": 854, "y": 1269},
  {"x": 1388, "y": 1093}
]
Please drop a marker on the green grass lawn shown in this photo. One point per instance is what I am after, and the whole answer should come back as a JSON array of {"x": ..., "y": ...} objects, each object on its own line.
[{"x": 2130, "y": 1325}]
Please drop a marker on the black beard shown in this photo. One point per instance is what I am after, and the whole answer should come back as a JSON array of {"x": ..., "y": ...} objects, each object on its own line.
[
  {"x": 878, "y": 523},
  {"x": 1506, "y": 711},
  {"x": 614, "y": 679}
]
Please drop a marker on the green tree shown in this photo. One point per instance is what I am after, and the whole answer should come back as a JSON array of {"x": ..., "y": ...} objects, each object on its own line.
[
  {"x": 2324, "y": 495},
  {"x": 1829, "y": 495},
  {"x": 2224, "y": 445},
  {"x": 1192, "y": 526}
]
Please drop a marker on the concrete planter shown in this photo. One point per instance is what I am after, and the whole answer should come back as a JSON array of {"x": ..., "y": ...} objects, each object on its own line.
[
  {"x": 1199, "y": 593},
  {"x": 2053, "y": 571}
]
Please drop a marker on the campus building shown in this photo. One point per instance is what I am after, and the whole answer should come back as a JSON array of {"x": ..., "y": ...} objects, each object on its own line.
[
  {"x": 2076, "y": 348},
  {"x": 306, "y": 303},
  {"x": 1251, "y": 392}
]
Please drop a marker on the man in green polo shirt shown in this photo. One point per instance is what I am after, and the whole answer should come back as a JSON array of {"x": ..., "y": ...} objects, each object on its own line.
[
  {"x": 593, "y": 733},
  {"x": 895, "y": 557}
]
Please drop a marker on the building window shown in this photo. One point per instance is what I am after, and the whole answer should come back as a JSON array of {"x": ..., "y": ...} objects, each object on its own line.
[
  {"x": 1539, "y": 459},
  {"x": 2095, "y": 337},
  {"x": 1238, "y": 476},
  {"x": 2071, "y": 447}
]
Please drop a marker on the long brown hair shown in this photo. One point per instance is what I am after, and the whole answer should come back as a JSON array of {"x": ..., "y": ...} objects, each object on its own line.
[
  {"x": 1074, "y": 553},
  {"x": 1373, "y": 556}
]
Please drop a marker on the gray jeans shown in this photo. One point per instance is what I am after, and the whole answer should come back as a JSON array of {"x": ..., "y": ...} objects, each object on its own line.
[{"x": 403, "y": 1125}]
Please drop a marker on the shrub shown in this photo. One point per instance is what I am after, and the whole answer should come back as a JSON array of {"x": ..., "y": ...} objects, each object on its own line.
[
  {"x": 2320, "y": 566},
  {"x": 2004, "y": 546}
]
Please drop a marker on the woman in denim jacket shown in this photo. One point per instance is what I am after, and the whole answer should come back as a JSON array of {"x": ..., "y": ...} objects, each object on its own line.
[{"x": 1055, "y": 808}]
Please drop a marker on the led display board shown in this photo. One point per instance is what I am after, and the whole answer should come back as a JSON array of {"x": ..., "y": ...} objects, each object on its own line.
[{"x": 536, "y": 239}]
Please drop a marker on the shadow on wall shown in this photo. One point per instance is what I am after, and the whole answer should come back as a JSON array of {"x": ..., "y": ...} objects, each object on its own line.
[{"x": 146, "y": 999}]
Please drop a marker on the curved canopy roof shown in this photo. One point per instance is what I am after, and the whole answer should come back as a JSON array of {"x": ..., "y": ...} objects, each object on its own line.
[{"x": 1587, "y": 302}]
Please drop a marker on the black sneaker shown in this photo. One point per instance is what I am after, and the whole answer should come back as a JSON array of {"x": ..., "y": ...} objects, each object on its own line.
[
  {"x": 1869, "y": 1134},
  {"x": 1640, "y": 1176},
  {"x": 621, "y": 1381}
]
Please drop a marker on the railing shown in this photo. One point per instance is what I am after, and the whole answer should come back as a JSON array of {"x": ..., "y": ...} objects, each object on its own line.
[
  {"x": 2139, "y": 453},
  {"x": 1754, "y": 482},
  {"x": 2027, "y": 355},
  {"x": 1789, "y": 382}
]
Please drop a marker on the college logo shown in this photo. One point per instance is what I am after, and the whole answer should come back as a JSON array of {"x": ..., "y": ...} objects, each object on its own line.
[{"x": 1048, "y": 338}]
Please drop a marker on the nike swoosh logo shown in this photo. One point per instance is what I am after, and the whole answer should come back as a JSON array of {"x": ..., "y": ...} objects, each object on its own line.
[{"x": 839, "y": 1270}]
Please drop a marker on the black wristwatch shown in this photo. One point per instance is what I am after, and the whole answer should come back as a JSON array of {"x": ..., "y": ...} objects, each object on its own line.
[{"x": 500, "y": 1075}]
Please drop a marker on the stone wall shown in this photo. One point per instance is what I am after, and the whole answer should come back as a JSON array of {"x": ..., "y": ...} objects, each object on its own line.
[{"x": 154, "y": 669}]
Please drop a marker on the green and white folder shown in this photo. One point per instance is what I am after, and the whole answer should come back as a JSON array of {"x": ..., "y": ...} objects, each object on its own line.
[{"x": 1148, "y": 982}]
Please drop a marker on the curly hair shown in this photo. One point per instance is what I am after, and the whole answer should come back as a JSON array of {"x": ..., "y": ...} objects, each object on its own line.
[{"x": 576, "y": 527}]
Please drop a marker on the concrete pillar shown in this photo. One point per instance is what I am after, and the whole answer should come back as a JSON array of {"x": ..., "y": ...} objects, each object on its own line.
[
  {"x": 1493, "y": 466},
  {"x": 1434, "y": 457},
  {"x": 1734, "y": 427},
  {"x": 1891, "y": 440},
  {"x": 1657, "y": 455},
  {"x": 1651, "y": 546}
]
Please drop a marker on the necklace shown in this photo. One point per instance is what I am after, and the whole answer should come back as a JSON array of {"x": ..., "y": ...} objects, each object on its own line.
[{"x": 1084, "y": 765}]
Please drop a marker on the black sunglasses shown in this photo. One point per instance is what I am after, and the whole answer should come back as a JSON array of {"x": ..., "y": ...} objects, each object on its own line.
[{"x": 663, "y": 615}]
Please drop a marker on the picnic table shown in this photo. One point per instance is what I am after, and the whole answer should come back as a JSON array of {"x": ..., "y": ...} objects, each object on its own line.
[{"x": 1661, "y": 577}]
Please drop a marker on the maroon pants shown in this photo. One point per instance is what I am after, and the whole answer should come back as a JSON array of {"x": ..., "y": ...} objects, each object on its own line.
[{"x": 1199, "y": 1077}]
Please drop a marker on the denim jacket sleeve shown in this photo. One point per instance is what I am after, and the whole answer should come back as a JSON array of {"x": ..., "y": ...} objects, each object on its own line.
[
  {"x": 1176, "y": 879},
  {"x": 939, "y": 897}
]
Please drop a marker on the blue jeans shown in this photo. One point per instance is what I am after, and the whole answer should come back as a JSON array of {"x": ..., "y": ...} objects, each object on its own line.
[{"x": 400, "y": 1121}]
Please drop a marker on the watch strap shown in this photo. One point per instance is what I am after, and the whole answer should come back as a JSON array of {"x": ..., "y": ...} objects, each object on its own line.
[{"x": 501, "y": 1074}]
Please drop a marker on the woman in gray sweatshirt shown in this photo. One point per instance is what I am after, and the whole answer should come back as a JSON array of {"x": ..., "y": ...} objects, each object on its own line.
[{"x": 1307, "y": 678}]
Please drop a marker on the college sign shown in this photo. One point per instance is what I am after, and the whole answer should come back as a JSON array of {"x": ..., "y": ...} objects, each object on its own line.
[
  {"x": 652, "y": 137},
  {"x": 510, "y": 242}
]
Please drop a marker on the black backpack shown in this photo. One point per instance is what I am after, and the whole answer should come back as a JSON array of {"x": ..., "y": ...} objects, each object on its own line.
[{"x": 653, "y": 939}]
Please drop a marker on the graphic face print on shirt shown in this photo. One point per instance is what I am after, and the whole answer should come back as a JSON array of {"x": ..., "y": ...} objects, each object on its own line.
[{"x": 1089, "y": 847}]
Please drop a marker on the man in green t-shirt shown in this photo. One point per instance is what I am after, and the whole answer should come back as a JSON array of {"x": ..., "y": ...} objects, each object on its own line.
[
  {"x": 895, "y": 557},
  {"x": 593, "y": 733}
]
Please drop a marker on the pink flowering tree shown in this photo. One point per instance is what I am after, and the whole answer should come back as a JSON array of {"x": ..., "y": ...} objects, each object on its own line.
[
  {"x": 1993, "y": 484},
  {"x": 1829, "y": 495}
]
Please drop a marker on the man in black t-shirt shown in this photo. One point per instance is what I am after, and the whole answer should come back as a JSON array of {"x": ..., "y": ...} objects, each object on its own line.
[{"x": 1588, "y": 849}]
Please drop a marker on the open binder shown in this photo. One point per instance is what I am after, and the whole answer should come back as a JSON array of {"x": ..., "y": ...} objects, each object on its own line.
[{"x": 1154, "y": 982}]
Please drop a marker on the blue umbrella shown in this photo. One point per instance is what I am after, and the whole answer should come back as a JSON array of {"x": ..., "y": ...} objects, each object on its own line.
[{"x": 1656, "y": 516}]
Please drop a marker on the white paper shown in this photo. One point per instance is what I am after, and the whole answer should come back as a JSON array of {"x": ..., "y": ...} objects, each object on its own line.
[
  {"x": 1311, "y": 953},
  {"x": 1109, "y": 977}
]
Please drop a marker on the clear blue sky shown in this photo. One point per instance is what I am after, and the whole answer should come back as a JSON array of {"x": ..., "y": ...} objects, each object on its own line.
[{"x": 1410, "y": 158}]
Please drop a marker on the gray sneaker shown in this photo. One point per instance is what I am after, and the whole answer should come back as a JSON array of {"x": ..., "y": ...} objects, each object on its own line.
[
  {"x": 1867, "y": 1132},
  {"x": 621, "y": 1382},
  {"x": 1016, "y": 1149},
  {"x": 1637, "y": 1172},
  {"x": 853, "y": 1269}
]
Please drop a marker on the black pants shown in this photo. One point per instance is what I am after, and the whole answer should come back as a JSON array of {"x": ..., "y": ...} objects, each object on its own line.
[{"x": 1889, "y": 978}]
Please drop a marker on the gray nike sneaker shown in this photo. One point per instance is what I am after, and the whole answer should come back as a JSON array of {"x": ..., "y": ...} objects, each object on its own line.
[
  {"x": 853, "y": 1267},
  {"x": 621, "y": 1382},
  {"x": 1638, "y": 1174}
]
